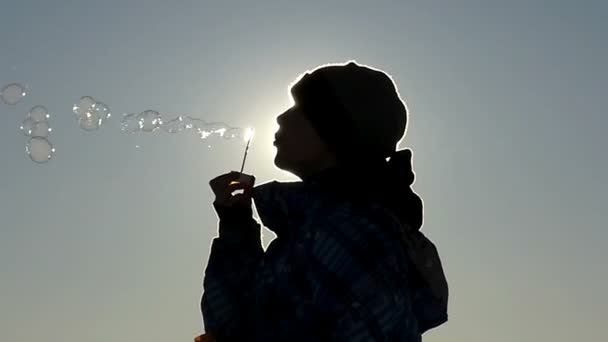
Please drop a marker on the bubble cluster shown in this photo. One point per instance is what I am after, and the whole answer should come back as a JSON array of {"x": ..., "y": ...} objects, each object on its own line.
[
  {"x": 36, "y": 123},
  {"x": 150, "y": 121},
  {"x": 36, "y": 126},
  {"x": 12, "y": 93},
  {"x": 90, "y": 113}
]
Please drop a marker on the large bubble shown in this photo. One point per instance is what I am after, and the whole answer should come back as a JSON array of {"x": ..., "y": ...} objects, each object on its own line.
[
  {"x": 12, "y": 93},
  {"x": 39, "y": 113},
  {"x": 149, "y": 120},
  {"x": 39, "y": 150}
]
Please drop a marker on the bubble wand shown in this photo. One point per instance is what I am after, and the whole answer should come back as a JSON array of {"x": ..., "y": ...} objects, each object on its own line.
[{"x": 248, "y": 137}]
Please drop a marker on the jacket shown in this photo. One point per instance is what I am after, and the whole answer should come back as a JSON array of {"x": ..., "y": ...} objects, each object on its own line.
[{"x": 337, "y": 271}]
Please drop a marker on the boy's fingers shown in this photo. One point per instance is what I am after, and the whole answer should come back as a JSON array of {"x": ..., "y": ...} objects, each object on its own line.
[
  {"x": 225, "y": 178},
  {"x": 237, "y": 199},
  {"x": 231, "y": 178}
]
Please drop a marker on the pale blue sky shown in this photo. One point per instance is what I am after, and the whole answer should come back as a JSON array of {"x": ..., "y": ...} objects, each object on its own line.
[{"x": 108, "y": 242}]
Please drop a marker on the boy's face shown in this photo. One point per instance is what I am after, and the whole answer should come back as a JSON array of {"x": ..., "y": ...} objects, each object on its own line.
[{"x": 300, "y": 150}]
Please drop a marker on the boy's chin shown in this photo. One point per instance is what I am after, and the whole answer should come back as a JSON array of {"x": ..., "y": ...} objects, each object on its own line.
[{"x": 281, "y": 163}]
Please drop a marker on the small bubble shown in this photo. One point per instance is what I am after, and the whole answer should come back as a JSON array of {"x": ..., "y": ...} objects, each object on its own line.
[
  {"x": 39, "y": 150},
  {"x": 130, "y": 123},
  {"x": 202, "y": 133},
  {"x": 90, "y": 123},
  {"x": 190, "y": 122},
  {"x": 149, "y": 120},
  {"x": 101, "y": 111},
  {"x": 174, "y": 125},
  {"x": 39, "y": 113},
  {"x": 84, "y": 106},
  {"x": 195, "y": 123},
  {"x": 28, "y": 126},
  {"x": 12, "y": 93},
  {"x": 181, "y": 123},
  {"x": 41, "y": 129},
  {"x": 212, "y": 129},
  {"x": 235, "y": 133}
]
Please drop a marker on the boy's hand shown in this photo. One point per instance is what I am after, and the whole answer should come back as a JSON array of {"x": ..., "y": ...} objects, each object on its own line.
[{"x": 225, "y": 185}]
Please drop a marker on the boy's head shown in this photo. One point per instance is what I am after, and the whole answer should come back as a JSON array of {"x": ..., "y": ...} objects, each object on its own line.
[{"x": 342, "y": 113}]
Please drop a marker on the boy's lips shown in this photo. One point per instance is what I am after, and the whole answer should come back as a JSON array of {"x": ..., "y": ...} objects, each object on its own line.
[{"x": 277, "y": 138}]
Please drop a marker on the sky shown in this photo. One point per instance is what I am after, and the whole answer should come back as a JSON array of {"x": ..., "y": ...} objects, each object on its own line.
[{"x": 108, "y": 241}]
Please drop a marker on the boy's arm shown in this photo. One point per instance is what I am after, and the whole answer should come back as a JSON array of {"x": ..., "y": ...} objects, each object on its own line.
[{"x": 229, "y": 276}]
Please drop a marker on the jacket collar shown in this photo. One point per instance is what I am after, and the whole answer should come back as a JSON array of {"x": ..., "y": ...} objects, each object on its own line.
[{"x": 280, "y": 203}]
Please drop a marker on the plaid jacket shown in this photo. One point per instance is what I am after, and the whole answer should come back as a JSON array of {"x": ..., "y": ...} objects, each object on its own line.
[{"x": 335, "y": 272}]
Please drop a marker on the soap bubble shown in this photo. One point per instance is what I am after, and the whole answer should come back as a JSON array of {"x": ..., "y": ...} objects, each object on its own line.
[
  {"x": 38, "y": 113},
  {"x": 90, "y": 123},
  {"x": 236, "y": 133},
  {"x": 31, "y": 128},
  {"x": 196, "y": 123},
  {"x": 12, "y": 93},
  {"x": 181, "y": 123},
  {"x": 91, "y": 114},
  {"x": 149, "y": 120},
  {"x": 42, "y": 129},
  {"x": 28, "y": 126},
  {"x": 101, "y": 111},
  {"x": 212, "y": 129},
  {"x": 130, "y": 123},
  {"x": 175, "y": 125},
  {"x": 82, "y": 109},
  {"x": 190, "y": 122},
  {"x": 39, "y": 149}
]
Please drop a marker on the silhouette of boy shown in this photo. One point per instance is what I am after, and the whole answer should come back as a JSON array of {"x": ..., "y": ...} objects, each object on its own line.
[{"x": 349, "y": 262}]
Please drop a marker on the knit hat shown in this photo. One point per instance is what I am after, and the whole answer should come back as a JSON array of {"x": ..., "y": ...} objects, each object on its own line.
[{"x": 356, "y": 110}]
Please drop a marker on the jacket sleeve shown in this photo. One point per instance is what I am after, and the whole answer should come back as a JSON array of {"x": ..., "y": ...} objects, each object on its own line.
[
  {"x": 229, "y": 276},
  {"x": 350, "y": 295}
]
